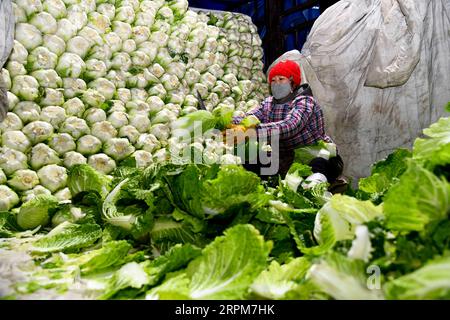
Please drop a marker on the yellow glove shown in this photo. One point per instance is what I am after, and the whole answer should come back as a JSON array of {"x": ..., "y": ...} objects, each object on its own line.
[
  {"x": 239, "y": 127},
  {"x": 236, "y": 126},
  {"x": 237, "y": 134},
  {"x": 233, "y": 135},
  {"x": 231, "y": 130}
]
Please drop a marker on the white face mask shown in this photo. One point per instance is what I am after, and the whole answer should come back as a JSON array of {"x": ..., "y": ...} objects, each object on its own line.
[{"x": 280, "y": 90}]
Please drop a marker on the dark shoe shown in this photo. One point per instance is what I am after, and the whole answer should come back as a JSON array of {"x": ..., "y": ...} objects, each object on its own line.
[{"x": 339, "y": 186}]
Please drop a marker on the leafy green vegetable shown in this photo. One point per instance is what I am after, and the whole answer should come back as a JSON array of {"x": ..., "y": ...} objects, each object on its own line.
[
  {"x": 342, "y": 278},
  {"x": 8, "y": 225},
  {"x": 228, "y": 265},
  {"x": 270, "y": 214},
  {"x": 209, "y": 232},
  {"x": 110, "y": 212},
  {"x": 75, "y": 214},
  {"x": 336, "y": 221},
  {"x": 68, "y": 237},
  {"x": 186, "y": 189},
  {"x": 224, "y": 116},
  {"x": 195, "y": 224},
  {"x": 175, "y": 287},
  {"x": 435, "y": 149},
  {"x": 233, "y": 186},
  {"x": 84, "y": 178},
  {"x": 166, "y": 232},
  {"x": 416, "y": 200},
  {"x": 196, "y": 122},
  {"x": 428, "y": 282},
  {"x": 133, "y": 219},
  {"x": 278, "y": 280},
  {"x": 37, "y": 211},
  {"x": 177, "y": 257},
  {"x": 250, "y": 121},
  {"x": 130, "y": 275},
  {"x": 307, "y": 290},
  {"x": 295, "y": 175},
  {"x": 110, "y": 254},
  {"x": 8, "y": 222},
  {"x": 384, "y": 174},
  {"x": 201, "y": 190},
  {"x": 361, "y": 246},
  {"x": 345, "y": 214},
  {"x": 323, "y": 149},
  {"x": 225, "y": 270}
]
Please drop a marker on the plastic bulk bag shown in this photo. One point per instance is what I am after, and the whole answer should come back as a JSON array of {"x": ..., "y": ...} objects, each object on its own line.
[{"x": 380, "y": 69}]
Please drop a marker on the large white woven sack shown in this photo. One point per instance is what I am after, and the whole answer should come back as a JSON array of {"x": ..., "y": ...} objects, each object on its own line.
[{"x": 381, "y": 71}]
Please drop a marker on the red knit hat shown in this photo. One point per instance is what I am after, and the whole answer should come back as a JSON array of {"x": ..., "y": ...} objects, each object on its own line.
[{"x": 287, "y": 68}]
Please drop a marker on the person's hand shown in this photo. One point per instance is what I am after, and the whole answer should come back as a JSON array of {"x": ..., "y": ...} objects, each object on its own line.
[
  {"x": 239, "y": 127},
  {"x": 232, "y": 129},
  {"x": 235, "y": 135},
  {"x": 238, "y": 134},
  {"x": 236, "y": 126}
]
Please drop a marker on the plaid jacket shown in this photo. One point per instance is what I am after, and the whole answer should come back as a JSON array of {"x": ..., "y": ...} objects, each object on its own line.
[{"x": 298, "y": 123}]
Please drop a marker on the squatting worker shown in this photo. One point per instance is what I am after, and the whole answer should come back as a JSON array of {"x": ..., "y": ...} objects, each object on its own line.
[{"x": 293, "y": 112}]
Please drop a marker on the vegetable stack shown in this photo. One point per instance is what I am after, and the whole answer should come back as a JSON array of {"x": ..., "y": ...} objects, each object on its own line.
[
  {"x": 97, "y": 82},
  {"x": 196, "y": 231}
]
